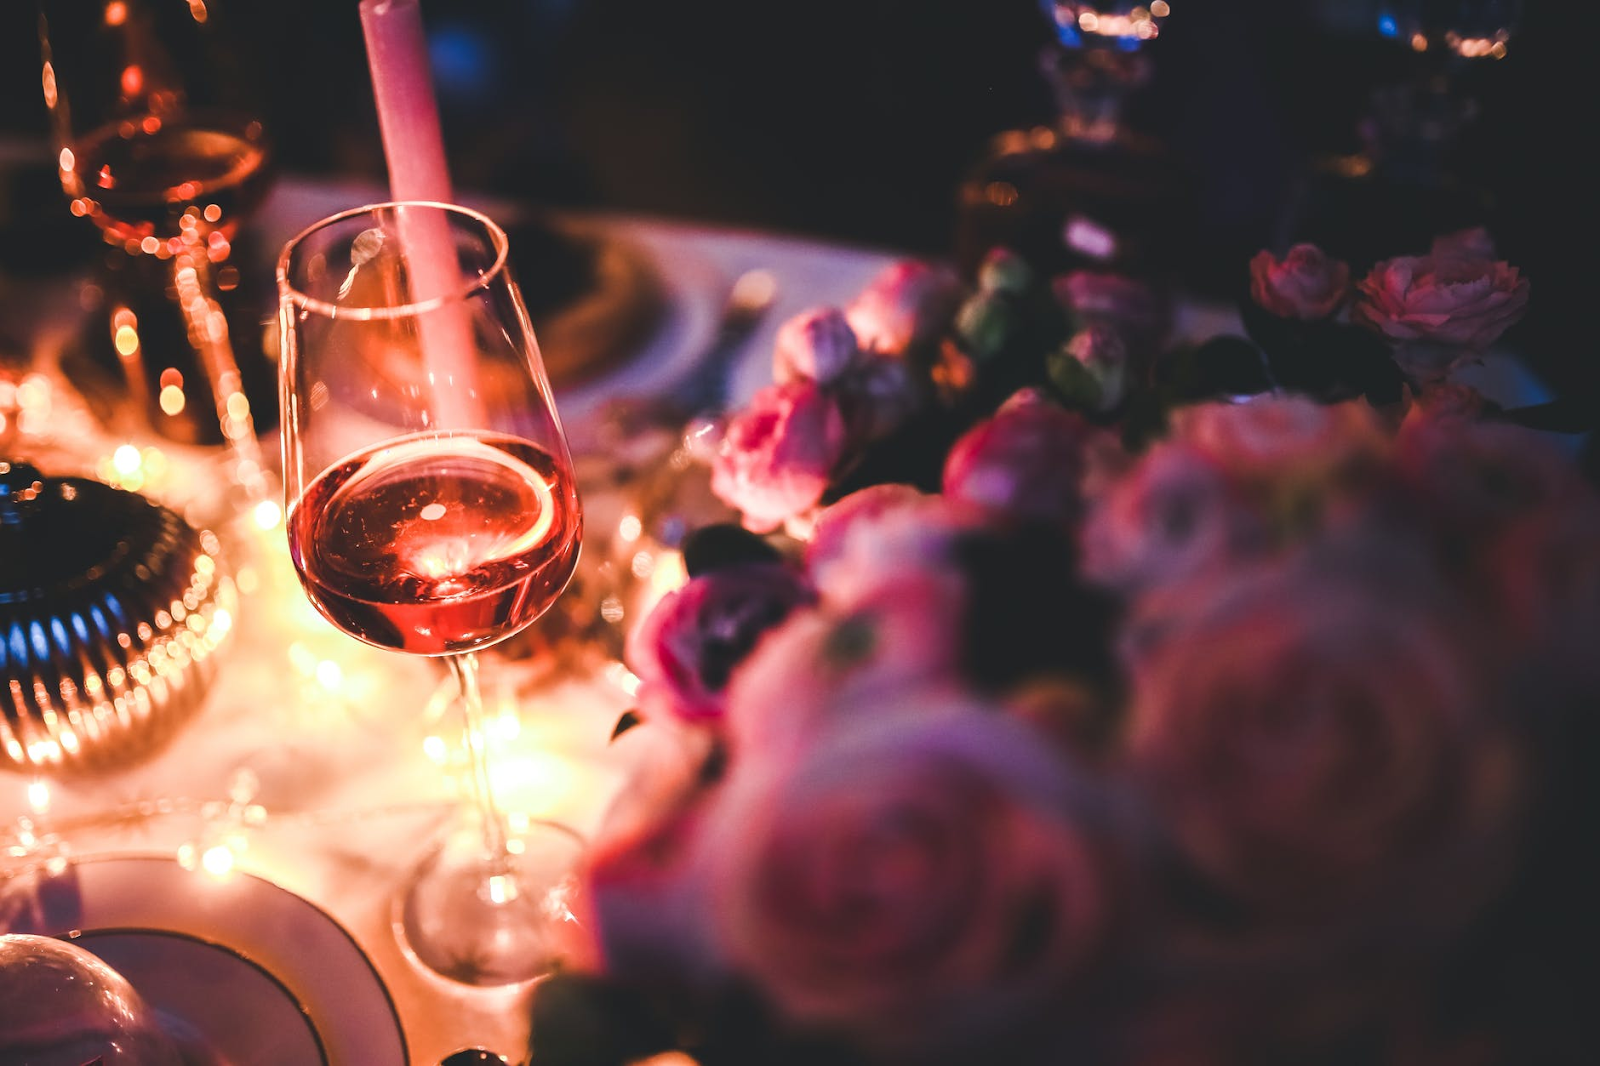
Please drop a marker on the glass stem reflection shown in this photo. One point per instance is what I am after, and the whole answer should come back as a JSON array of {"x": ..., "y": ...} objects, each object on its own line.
[{"x": 465, "y": 669}]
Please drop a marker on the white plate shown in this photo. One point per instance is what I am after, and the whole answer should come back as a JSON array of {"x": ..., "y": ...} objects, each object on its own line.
[{"x": 262, "y": 976}]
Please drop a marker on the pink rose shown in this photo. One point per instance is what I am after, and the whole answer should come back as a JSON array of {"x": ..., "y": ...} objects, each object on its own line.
[
  {"x": 833, "y": 525},
  {"x": 884, "y": 538},
  {"x": 1125, "y": 304},
  {"x": 777, "y": 455},
  {"x": 1175, "y": 515},
  {"x": 1026, "y": 463},
  {"x": 1440, "y": 310},
  {"x": 933, "y": 880},
  {"x": 686, "y": 648},
  {"x": 1282, "y": 437},
  {"x": 816, "y": 345},
  {"x": 1306, "y": 284},
  {"x": 907, "y": 304},
  {"x": 827, "y": 669},
  {"x": 1312, "y": 742}
]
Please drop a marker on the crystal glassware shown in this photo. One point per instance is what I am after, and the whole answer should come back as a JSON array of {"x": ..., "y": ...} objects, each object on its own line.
[
  {"x": 432, "y": 510},
  {"x": 161, "y": 145}
]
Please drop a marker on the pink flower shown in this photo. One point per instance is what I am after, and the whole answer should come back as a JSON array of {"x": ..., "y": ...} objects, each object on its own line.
[
  {"x": 1313, "y": 745},
  {"x": 832, "y": 668},
  {"x": 875, "y": 535},
  {"x": 1475, "y": 479},
  {"x": 1026, "y": 463},
  {"x": 1125, "y": 304},
  {"x": 1444, "y": 400},
  {"x": 686, "y": 648},
  {"x": 777, "y": 454},
  {"x": 816, "y": 345},
  {"x": 933, "y": 879},
  {"x": 1440, "y": 310},
  {"x": 1175, "y": 515},
  {"x": 1464, "y": 244},
  {"x": 1306, "y": 284},
  {"x": 1282, "y": 437},
  {"x": 907, "y": 304}
]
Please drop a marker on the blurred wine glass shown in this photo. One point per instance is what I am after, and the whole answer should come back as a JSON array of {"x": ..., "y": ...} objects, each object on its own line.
[
  {"x": 161, "y": 145},
  {"x": 433, "y": 510}
]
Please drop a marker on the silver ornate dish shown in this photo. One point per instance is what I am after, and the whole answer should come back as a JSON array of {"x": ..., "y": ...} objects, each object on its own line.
[{"x": 111, "y": 611}]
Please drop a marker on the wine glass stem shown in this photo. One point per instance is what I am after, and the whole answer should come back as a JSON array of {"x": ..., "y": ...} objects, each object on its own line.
[
  {"x": 465, "y": 669},
  {"x": 208, "y": 332}
]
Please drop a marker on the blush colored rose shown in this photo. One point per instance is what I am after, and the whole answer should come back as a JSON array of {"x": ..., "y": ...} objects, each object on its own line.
[
  {"x": 686, "y": 648},
  {"x": 1306, "y": 284},
  {"x": 816, "y": 345},
  {"x": 908, "y": 303},
  {"x": 777, "y": 455},
  {"x": 1313, "y": 746},
  {"x": 1440, "y": 310},
  {"x": 833, "y": 525},
  {"x": 1288, "y": 437},
  {"x": 1026, "y": 463},
  {"x": 1175, "y": 515},
  {"x": 931, "y": 880},
  {"x": 885, "y": 538},
  {"x": 830, "y": 668}
]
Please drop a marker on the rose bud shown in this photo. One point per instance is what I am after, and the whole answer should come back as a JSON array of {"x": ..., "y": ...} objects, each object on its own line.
[
  {"x": 925, "y": 885},
  {"x": 1091, "y": 368},
  {"x": 984, "y": 323},
  {"x": 1123, "y": 303},
  {"x": 1026, "y": 463},
  {"x": 816, "y": 345},
  {"x": 1440, "y": 311},
  {"x": 907, "y": 304},
  {"x": 686, "y": 648},
  {"x": 778, "y": 454},
  {"x": 1003, "y": 270},
  {"x": 1306, "y": 284}
]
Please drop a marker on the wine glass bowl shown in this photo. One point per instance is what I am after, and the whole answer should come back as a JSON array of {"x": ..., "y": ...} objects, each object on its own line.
[{"x": 432, "y": 510}]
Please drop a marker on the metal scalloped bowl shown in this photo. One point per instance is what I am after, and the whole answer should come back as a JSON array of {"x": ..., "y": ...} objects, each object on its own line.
[{"x": 112, "y": 610}]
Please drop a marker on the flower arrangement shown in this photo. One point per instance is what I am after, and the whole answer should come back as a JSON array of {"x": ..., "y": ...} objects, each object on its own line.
[{"x": 1089, "y": 714}]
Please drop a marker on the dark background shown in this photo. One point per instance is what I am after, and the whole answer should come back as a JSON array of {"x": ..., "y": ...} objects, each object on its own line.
[{"x": 855, "y": 119}]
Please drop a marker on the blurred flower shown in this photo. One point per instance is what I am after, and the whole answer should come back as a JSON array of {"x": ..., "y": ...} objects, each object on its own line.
[
  {"x": 923, "y": 883},
  {"x": 1291, "y": 438},
  {"x": 777, "y": 455},
  {"x": 1440, "y": 310},
  {"x": 1003, "y": 270},
  {"x": 985, "y": 323},
  {"x": 877, "y": 395},
  {"x": 1313, "y": 746},
  {"x": 816, "y": 345},
  {"x": 1026, "y": 463},
  {"x": 1444, "y": 400},
  {"x": 907, "y": 304},
  {"x": 1131, "y": 307},
  {"x": 686, "y": 648},
  {"x": 1464, "y": 244},
  {"x": 1306, "y": 284},
  {"x": 1175, "y": 515}
]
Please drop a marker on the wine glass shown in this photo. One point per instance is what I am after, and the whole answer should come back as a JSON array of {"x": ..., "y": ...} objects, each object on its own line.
[
  {"x": 432, "y": 510},
  {"x": 160, "y": 145}
]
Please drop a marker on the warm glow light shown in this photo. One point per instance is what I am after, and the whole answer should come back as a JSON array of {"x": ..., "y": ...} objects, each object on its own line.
[
  {"x": 150, "y": 245},
  {"x": 197, "y": 10},
  {"x": 435, "y": 749},
  {"x": 126, "y": 340},
  {"x": 217, "y": 860},
  {"x": 1161, "y": 9},
  {"x": 330, "y": 675},
  {"x": 629, "y": 528},
  {"x": 212, "y": 212},
  {"x": 172, "y": 400},
  {"x": 49, "y": 79},
  {"x": 39, "y": 796},
  {"x": 268, "y": 514},
  {"x": 132, "y": 79},
  {"x": 116, "y": 13},
  {"x": 67, "y": 160},
  {"x": 125, "y": 460}
]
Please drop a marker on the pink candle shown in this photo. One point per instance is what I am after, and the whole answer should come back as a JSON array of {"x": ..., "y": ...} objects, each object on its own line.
[{"x": 413, "y": 147}]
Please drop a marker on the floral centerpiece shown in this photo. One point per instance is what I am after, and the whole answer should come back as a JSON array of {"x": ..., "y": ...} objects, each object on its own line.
[{"x": 1105, "y": 700}]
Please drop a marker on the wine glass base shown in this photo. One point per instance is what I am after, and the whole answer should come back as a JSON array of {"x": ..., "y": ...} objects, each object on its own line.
[{"x": 486, "y": 919}]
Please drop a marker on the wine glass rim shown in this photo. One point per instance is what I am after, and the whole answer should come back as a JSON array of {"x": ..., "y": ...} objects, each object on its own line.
[{"x": 306, "y": 302}]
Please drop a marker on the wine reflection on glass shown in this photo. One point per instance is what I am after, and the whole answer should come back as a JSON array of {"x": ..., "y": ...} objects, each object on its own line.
[
  {"x": 432, "y": 510},
  {"x": 161, "y": 146}
]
